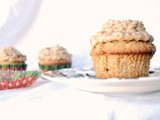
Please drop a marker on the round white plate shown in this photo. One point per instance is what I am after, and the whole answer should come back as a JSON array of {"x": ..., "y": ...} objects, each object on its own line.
[{"x": 84, "y": 79}]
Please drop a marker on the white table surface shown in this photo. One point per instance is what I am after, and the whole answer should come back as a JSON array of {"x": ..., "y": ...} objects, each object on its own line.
[{"x": 46, "y": 100}]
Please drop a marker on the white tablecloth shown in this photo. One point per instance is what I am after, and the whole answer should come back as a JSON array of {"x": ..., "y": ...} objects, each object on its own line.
[{"x": 46, "y": 100}]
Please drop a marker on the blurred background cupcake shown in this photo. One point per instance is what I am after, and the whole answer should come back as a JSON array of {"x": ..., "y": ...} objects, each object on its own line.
[
  {"x": 53, "y": 58},
  {"x": 12, "y": 59}
]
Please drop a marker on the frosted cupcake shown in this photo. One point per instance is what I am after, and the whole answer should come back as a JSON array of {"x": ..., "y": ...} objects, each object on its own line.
[
  {"x": 54, "y": 58},
  {"x": 12, "y": 59},
  {"x": 122, "y": 49}
]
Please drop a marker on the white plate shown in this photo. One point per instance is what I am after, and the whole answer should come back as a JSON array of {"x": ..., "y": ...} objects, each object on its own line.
[{"x": 84, "y": 79}]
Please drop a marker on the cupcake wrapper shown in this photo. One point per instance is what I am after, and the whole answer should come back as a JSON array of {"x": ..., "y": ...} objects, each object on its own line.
[
  {"x": 54, "y": 67},
  {"x": 121, "y": 65},
  {"x": 13, "y": 67},
  {"x": 17, "y": 79}
]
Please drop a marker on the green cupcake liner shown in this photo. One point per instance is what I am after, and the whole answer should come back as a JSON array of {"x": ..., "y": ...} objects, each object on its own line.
[
  {"x": 22, "y": 66},
  {"x": 54, "y": 67}
]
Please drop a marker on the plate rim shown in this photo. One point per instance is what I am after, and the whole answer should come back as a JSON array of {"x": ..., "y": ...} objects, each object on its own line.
[{"x": 144, "y": 84}]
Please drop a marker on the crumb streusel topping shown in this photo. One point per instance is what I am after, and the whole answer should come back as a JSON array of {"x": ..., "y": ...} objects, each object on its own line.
[
  {"x": 10, "y": 54},
  {"x": 54, "y": 53},
  {"x": 127, "y": 30}
]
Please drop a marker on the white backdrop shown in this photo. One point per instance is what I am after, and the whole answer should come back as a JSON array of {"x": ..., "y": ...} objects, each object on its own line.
[{"x": 30, "y": 25}]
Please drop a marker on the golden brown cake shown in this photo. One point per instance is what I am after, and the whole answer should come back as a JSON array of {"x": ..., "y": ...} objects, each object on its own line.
[
  {"x": 53, "y": 58},
  {"x": 122, "y": 49},
  {"x": 12, "y": 59}
]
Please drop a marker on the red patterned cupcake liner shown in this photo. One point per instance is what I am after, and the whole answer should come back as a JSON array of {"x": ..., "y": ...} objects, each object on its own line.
[{"x": 17, "y": 79}]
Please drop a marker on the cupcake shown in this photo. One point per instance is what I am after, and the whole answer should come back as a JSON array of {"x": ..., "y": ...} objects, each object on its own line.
[
  {"x": 54, "y": 58},
  {"x": 122, "y": 49},
  {"x": 12, "y": 59}
]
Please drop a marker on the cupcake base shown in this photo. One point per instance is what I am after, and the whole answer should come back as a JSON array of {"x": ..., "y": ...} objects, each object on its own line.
[
  {"x": 54, "y": 67},
  {"x": 21, "y": 66},
  {"x": 122, "y": 65}
]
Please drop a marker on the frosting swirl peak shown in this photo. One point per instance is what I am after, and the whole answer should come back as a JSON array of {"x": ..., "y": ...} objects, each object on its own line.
[
  {"x": 54, "y": 53},
  {"x": 125, "y": 30}
]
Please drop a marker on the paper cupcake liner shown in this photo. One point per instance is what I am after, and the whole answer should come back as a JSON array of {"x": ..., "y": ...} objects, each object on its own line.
[
  {"x": 13, "y": 67},
  {"x": 121, "y": 65},
  {"x": 54, "y": 67},
  {"x": 17, "y": 79}
]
